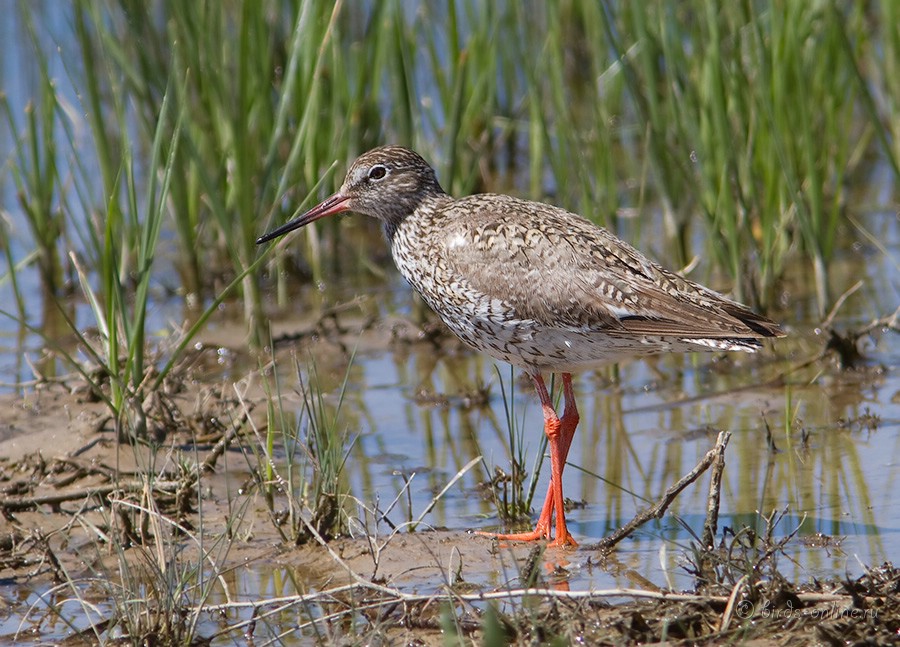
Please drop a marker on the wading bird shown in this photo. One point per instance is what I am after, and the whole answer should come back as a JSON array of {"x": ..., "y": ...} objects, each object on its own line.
[{"x": 536, "y": 286}]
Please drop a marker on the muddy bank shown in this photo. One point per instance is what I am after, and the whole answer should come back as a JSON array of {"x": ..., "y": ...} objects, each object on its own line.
[{"x": 87, "y": 517}]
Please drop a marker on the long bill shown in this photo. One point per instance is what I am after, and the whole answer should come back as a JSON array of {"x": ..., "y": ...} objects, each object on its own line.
[{"x": 335, "y": 204}]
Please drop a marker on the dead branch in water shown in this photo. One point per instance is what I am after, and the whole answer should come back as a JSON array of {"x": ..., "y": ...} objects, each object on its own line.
[{"x": 658, "y": 509}]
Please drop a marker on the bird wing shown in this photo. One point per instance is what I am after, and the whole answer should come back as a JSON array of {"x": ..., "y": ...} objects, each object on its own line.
[{"x": 563, "y": 271}]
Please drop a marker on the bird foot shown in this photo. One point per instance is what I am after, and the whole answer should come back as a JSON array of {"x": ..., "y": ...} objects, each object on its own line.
[
  {"x": 537, "y": 534},
  {"x": 565, "y": 539}
]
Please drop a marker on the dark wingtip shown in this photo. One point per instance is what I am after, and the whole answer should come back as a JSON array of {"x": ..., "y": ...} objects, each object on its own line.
[{"x": 762, "y": 326}]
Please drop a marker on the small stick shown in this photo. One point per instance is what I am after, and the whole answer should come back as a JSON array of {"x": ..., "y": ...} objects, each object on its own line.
[
  {"x": 392, "y": 595},
  {"x": 24, "y": 503},
  {"x": 659, "y": 508},
  {"x": 710, "y": 526},
  {"x": 837, "y": 304},
  {"x": 729, "y": 607}
]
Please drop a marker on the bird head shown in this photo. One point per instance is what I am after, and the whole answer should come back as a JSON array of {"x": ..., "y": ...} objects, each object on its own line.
[{"x": 387, "y": 183}]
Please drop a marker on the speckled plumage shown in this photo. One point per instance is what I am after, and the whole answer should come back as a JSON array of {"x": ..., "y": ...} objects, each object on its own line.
[
  {"x": 534, "y": 285},
  {"x": 546, "y": 290}
]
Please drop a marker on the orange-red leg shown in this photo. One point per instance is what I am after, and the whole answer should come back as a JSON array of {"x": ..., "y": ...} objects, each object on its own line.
[
  {"x": 567, "y": 426},
  {"x": 560, "y": 432}
]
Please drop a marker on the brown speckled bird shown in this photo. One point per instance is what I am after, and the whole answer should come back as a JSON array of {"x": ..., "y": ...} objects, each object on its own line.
[{"x": 536, "y": 286}]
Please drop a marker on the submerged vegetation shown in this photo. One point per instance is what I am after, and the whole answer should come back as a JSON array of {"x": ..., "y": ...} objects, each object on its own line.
[{"x": 150, "y": 143}]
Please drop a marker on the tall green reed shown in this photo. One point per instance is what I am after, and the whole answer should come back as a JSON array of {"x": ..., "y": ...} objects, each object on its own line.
[
  {"x": 740, "y": 124},
  {"x": 123, "y": 248},
  {"x": 756, "y": 112},
  {"x": 34, "y": 170},
  {"x": 115, "y": 205}
]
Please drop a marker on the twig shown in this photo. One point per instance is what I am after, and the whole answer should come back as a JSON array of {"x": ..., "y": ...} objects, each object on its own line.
[
  {"x": 438, "y": 496},
  {"x": 24, "y": 503},
  {"x": 389, "y": 596},
  {"x": 209, "y": 463},
  {"x": 840, "y": 301},
  {"x": 890, "y": 321},
  {"x": 729, "y": 607},
  {"x": 393, "y": 595},
  {"x": 659, "y": 508},
  {"x": 715, "y": 489}
]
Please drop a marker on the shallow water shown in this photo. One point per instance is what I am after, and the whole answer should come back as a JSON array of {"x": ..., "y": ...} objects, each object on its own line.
[
  {"x": 832, "y": 472},
  {"x": 819, "y": 443},
  {"x": 830, "y": 462},
  {"x": 811, "y": 440}
]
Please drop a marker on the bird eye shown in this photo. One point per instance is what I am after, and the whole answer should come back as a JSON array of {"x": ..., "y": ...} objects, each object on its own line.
[{"x": 377, "y": 172}]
